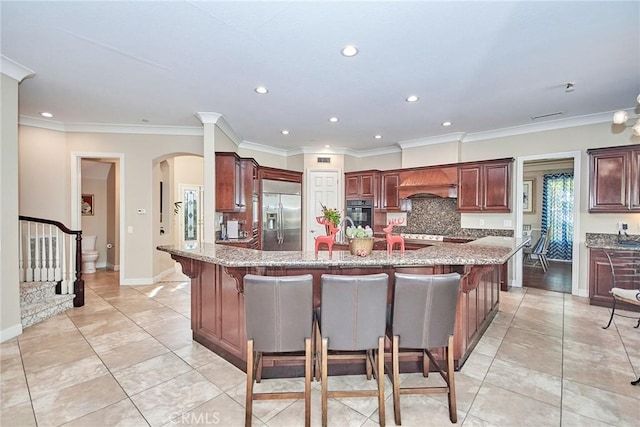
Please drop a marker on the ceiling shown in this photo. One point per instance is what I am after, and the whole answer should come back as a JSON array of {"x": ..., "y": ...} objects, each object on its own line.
[{"x": 484, "y": 66}]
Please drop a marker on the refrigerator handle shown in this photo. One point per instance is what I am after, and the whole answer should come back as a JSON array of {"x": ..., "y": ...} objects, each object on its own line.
[{"x": 280, "y": 225}]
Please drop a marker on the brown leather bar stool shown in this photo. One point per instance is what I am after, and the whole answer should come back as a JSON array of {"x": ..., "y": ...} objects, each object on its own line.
[
  {"x": 423, "y": 317},
  {"x": 353, "y": 319},
  {"x": 279, "y": 319}
]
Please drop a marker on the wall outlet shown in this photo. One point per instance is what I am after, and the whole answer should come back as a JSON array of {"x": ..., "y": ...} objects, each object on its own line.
[
  {"x": 507, "y": 223},
  {"x": 481, "y": 222}
]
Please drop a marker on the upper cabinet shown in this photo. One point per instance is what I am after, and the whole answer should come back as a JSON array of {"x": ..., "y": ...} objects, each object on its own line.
[
  {"x": 230, "y": 183},
  {"x": 614, "y": 179},
  {"x": 360, "y": 185},
  {"x": 389, "y": 197},
  {"x": 484, "y": 186}
]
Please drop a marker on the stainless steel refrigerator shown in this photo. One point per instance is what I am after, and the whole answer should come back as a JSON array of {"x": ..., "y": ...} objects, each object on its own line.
[{"x": 281, "y": 216}]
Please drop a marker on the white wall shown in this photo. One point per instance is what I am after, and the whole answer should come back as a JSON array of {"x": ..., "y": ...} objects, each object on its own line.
[
  {"x": 10, "y": 323},
  {"x": 44, "y": 174}
]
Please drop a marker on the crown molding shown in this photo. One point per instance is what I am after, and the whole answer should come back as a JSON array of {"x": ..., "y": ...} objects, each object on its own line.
[
  {"x": 208, "y": 118},
  {"x": 440, "y": 139},
  {"x": 540, "y": 127},
  {"x": 110, "y": 128},
  {"x": 14, "y": 70},
  {"x": 254, "y": 146},
  {"x": 218, "y": 119},
  {"x": 224, "y": 126},
  {"x": 373, "y": 152}
]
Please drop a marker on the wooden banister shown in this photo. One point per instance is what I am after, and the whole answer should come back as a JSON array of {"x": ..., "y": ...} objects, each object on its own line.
[{"x": 78, "y": 282}]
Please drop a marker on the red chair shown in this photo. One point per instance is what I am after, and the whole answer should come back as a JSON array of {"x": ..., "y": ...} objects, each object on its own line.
[
  {"x": 328, "y": 240},
  {"x": 392, "y": 240}
]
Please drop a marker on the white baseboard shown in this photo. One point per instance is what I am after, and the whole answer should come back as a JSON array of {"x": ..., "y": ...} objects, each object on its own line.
[
  {"x": 10, "y": 332},
  {"x": 112, "y": 267}
]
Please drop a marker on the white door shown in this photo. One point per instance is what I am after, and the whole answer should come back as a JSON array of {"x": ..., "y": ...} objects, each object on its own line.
[
  {"x": 323, "y": 186},
  {"x": 189, "y": 215}
]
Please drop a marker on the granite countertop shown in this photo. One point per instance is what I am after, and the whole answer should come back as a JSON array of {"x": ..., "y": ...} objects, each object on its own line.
[
  {"x": 610, "y": 241},
  {"x": 483, "y": 251},
  {"x": 239, "y": 240}
]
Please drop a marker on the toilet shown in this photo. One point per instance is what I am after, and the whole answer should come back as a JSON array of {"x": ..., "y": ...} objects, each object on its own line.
[{"x": 89, "y": 254}]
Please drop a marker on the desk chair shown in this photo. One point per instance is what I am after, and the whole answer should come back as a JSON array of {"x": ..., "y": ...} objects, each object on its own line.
[
  {"x": 279, "y": 317},
  {"x": 423, "y": 317},
  {"x": 538, "y": 252},
  {"x": 353, "y": 318},
  {"x": 625, "y": 271}
]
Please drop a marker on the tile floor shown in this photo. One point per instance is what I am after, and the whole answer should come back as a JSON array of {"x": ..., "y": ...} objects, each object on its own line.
[{"x": 126, "y": 358}]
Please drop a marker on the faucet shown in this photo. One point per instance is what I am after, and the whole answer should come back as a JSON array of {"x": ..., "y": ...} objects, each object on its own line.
[{"x": 349, "y": 220}]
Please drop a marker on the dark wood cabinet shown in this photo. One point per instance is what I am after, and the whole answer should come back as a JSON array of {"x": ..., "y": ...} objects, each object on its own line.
[
  {"x": 485, "y": 186},
  {"x": 601, "y": 278},
  {"x": 360, "y": 185},
  {"x": 614, "y": 179},
  {"x": 229, "y": 183},
  {"x": 389, "y": 198}
]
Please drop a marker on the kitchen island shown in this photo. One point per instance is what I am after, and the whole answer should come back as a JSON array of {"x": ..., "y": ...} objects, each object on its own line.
[{"x": 217, "y": 272}]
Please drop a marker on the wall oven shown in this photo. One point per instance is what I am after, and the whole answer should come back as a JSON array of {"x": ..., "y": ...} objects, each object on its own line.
[{"x": 361, "y": 212}]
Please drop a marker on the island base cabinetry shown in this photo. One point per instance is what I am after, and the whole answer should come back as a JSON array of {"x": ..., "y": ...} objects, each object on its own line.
[{"x": 217, "y": 309}]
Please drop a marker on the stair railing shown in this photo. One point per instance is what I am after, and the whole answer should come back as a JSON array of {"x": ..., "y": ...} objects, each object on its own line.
[{"x": 51, "y": 252}]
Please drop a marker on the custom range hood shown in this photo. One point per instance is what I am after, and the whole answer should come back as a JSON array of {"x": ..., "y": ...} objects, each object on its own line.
[{"x": 429, "y": 182}]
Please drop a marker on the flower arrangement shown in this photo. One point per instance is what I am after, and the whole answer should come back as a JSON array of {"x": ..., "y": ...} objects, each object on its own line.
[
  {"x": 360, "y": 240},
  {"x": 359, "y": 232},
  {"x": 331, "y": 214}
]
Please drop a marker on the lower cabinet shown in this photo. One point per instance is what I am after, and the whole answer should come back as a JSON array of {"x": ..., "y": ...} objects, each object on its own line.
[
  {"x": 601, "y": 278},
  {"x": 217, "y": 310}
]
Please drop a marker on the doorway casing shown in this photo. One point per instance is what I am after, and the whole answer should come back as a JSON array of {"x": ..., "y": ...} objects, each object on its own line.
[
  {"x": 76, "y": 194},
  {"x": 575, "y": 271}
]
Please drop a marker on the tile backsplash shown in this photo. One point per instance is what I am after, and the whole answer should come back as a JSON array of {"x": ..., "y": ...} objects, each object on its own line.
[{"x": 437, "y": 215}]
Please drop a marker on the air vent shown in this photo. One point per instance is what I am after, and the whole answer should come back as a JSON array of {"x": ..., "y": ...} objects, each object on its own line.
[
  {"x": 546, "y": 116},
  {"x": 324, "y": 159}
]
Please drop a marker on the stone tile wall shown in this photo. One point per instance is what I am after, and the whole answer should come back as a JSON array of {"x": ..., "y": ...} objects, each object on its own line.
[{"x": 437, "y": 215}]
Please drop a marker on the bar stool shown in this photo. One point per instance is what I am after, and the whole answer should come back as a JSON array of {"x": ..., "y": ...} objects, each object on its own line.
[
  {"x": 353, "y": 318},
  {"x": 423, "y": 317},
  {"x": 279, "y": 318}
]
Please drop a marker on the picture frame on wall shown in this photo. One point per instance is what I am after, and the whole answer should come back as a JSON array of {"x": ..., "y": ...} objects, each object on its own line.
[
  {"x": 87, "y": 205},
  {"x": 528, "y": 195}
]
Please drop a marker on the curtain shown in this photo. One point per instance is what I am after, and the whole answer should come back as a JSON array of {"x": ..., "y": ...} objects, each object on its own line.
[{"x": 557, "y": 214}]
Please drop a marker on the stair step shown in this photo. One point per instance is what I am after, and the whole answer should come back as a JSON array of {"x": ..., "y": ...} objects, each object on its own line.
[
  {"x": 42, "y": 310},
  {"x": 31, "y": 292}
]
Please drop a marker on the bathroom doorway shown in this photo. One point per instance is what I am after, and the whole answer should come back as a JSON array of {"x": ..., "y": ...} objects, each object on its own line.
[{"x": 99, "y": 177}]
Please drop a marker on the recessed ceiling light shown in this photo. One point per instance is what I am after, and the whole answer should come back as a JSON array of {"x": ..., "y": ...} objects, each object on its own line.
[
  {"x": 327, "y": 146},
  {"x": 412, "y": 98},
  {"x": 46, "y": 114},
  {"x": 349, "y": 51},
  {"x": 333, "y": 119},
  {"x": 447, "y": 123},
  {"x": 261, "y": 90},
  {"x": 378, "y": 137},
  {"x": 285, "y": 132}
]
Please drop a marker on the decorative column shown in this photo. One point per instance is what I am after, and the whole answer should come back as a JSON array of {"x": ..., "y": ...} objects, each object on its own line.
[{"x": 209, "y": 121}]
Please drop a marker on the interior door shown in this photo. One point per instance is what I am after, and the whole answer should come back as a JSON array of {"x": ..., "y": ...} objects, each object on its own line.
[{"x": 323, "y": 187}]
